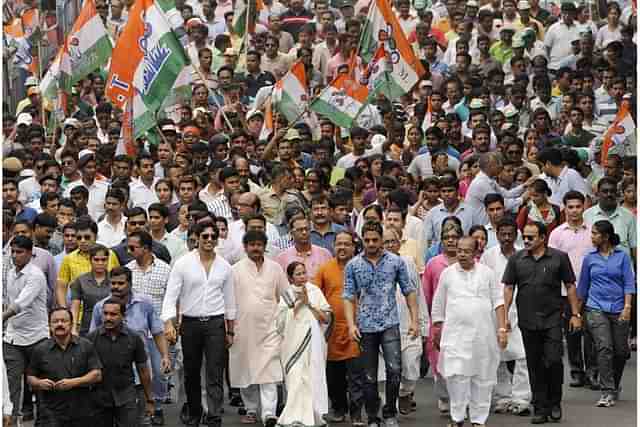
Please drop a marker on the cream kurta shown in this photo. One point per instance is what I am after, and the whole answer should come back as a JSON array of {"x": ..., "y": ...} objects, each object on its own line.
[
  {"x": 254, "y": 357},
  {"x": 465, "y": 301}
]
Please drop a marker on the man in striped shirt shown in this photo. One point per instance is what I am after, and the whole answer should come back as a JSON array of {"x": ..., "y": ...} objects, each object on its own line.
[{"x": 221, "y": 206}]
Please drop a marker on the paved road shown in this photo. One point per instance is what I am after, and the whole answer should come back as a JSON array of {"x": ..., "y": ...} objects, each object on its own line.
[{"x": 578, "y": 407}]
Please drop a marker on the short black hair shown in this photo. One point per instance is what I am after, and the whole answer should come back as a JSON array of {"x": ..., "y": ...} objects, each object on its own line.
[
  {"x": 254, "y": 236},
  {"x": 492, "y": 198},
  {"x": 22, "y": 242}
]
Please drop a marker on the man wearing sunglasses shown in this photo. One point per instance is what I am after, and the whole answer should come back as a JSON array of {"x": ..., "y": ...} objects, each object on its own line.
[
  {"x": 137, "y": 221},
  {"x": 203, "y": 283}
]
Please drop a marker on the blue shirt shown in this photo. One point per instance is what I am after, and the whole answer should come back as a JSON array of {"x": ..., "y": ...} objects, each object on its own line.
[
  {"x": 328, "y": 240},
  {"x": 605, "y": 281},
  {"x": 27, "y": 213},
  {"x": 375, "y": 288},
  {"x": 140, "y": 316}
]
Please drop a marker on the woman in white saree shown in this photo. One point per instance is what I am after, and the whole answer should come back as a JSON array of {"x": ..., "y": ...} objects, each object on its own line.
[{"x": 304, "y": 321}]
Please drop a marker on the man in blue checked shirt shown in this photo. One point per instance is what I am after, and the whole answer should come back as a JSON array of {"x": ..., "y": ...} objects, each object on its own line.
[{"x": 371, "y": 279}]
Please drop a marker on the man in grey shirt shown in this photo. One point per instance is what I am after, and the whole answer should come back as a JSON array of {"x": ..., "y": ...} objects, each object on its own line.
[{"x": 25, "y": 314}]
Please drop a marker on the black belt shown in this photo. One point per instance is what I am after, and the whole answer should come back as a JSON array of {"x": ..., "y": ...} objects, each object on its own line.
[{"x": 201, "y": 318}]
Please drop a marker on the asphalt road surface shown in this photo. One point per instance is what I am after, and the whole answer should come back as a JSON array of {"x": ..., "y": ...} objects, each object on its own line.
[{"x": 578, "y": 407}]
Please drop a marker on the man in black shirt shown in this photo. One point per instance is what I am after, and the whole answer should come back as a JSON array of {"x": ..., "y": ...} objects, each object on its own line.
[
  {"x": 539, "y": 272},
  {"x": 61, "y": 370},
  {"x": 118, "y": 348}
]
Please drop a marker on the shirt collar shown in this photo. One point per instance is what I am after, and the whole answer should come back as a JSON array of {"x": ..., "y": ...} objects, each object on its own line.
[{"x": 53, "y": 344}]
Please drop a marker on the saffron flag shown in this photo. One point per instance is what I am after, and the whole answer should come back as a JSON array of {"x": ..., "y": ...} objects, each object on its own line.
[
  {"x": 268, "y": 126},
  {"x": 426, "y": 123},
  {"x": 16, "y": 39},
  {"x": 621, "y": 128},
  {"x": 240, "y": 19},
  {"x": 146, "y": 62},
  {"x": 382, "y": 28}
]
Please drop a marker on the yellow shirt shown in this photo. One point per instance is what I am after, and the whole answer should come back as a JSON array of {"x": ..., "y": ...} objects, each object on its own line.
[{"x": 76, "y": 264}]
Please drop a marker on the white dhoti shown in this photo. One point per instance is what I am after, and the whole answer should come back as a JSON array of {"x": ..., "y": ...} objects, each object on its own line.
[{"x": 513, "y": 389}]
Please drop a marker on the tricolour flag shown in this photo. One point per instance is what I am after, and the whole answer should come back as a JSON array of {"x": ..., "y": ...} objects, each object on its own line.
[
  {"x": 269, "y": 123},
  {"x": 382, "y": 28},
  {"x": 146, "y": 61},
  {"x": 290, "y": 94},
  {"x": 86, "y": 48},
  {"x": 341, "y": 101},
  {"x": 426, "y": 123},
  {"x": 240, "y": 19},
  {"x": 621, "y": 128}
]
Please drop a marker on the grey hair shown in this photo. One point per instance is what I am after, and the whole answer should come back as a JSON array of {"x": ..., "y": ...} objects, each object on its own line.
[{"x": 487, "y": 158}]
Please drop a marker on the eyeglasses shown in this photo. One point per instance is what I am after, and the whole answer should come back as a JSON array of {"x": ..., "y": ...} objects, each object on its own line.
[
  {"x": 390, "y": 242},
  {"x": 208, "y": 236}
]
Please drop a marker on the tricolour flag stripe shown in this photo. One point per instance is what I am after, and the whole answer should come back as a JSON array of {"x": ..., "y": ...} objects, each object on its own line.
[{"x": 341, "y": 101}]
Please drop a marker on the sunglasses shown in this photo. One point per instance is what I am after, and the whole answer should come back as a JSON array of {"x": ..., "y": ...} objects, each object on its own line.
[{"x": 208, "y": 236}]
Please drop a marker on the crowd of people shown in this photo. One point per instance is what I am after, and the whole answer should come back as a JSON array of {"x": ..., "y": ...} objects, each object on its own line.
[{"x": 312, "y": 274}]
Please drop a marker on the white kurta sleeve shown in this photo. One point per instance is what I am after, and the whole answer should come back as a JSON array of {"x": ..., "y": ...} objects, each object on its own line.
[
  {"x": 440, "y": 300},
  {"x": 497, "y": 290},
  {"x": 229, "y": 293}
]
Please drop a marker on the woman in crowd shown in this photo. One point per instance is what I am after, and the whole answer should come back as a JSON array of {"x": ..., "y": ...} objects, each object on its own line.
[
  {"x": 606, "y": 288},
  {"x": 304, "y": 320},
  {"x": 539, "y": 208},
  {"x": 89, "y": 288}
]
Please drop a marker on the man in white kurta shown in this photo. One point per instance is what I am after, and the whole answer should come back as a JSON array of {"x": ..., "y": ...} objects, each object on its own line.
[
  {"x": 466, "y": 299},
  {"x": 512, "y": 393},
  {"x": 254, "y": 357}
]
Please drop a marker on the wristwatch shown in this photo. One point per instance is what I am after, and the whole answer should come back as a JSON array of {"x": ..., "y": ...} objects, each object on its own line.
[{"x": 578, "y": 315}]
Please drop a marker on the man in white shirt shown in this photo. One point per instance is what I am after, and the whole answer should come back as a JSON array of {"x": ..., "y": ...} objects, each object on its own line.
[
  {"x": 557, "y": 40},
  {"x": 142, "y": 193},
  {"x": 25, "y": 315},
  {"x": 97, "y": 187},
  {"x": 158, "y": 220},
  {"x": 512, "y": 393},
  {"x": 249, "y": 207},
  {"x": 467, "y": 297},
  {"x": 203, "y": 283},
  {"x": 561, "y": 179},
  {"x": 111, "y": 230}
]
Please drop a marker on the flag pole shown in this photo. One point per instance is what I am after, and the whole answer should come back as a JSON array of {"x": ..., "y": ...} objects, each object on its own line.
[
  {"x": 42, "y": 112},
  {"x": 226, "y": 119}
]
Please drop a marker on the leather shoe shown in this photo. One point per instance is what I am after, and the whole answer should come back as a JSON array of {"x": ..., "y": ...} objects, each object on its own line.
[
  {"x": 539, "y": 419},
  {"x": 556, "y": 413}
]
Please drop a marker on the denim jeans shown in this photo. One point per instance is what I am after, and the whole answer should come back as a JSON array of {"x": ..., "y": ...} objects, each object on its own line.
[
  {"x": 389, "y": 340},
  {"x": 610, "y": 336},
  {"x": 159, "y": 381}
]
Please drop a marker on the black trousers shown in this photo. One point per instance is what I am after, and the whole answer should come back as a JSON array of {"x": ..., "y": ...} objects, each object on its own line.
[
  {"x": 543, "y": 349},
  {"x": 581, "y": 350},
  {"x": 78, "y": 422},
  {"x": 342, "y": 376},
  {"x": 204, "y": 337}
]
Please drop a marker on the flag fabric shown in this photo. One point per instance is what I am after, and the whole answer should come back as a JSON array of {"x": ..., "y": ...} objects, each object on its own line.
[
  {"x": 17, "y": 39},
  {"x": 49, "y": 83},
  {"x": 240, "y": 20},
  {"x": 86, "y": 48},
  {"x": 31, "y": 24},
  {"x": 290, "y": 94},
  {"x": 146, "y": 62},
  {"x": 376, "y": 73},
  {"x": 426, "y": 123},
  {"x": 382, "y": 28},
  {"x": 268, "y": 124},
  {"x": 342, "y": 101},
  {"x": 621, "y": 128}
]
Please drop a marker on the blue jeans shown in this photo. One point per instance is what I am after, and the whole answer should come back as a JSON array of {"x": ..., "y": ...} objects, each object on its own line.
[
  {"x": 159, "y": 382},
  {"x": 389, "y": 340}
]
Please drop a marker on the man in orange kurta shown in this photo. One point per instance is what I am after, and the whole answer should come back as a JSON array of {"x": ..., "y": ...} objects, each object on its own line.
[{"x": 344, "y": 368}]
